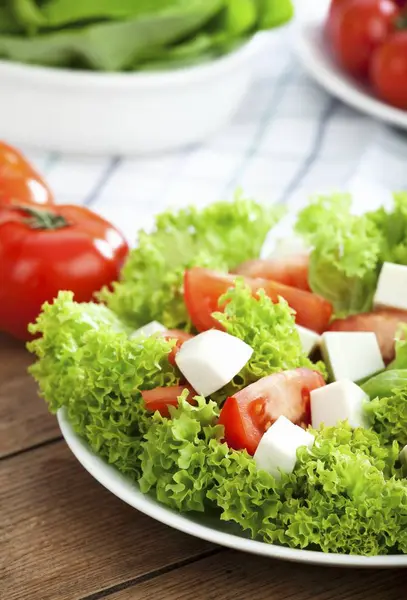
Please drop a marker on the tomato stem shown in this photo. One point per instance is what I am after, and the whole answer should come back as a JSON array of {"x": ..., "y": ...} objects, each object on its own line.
[{"x": 42, "y": 218}]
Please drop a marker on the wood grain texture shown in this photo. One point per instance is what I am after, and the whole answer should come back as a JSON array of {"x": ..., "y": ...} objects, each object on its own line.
[
  {"x": 243, "y": 577},
  {"x": 66, "y": 537},
  {"x": 24, "y": 419}
]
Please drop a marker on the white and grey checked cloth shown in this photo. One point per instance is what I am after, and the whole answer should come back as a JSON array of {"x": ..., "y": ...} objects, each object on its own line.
[{"x": 290, "y": 139}]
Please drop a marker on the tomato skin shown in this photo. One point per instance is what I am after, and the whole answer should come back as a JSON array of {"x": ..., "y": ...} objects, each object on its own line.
[
  {"x": 247, "y": 415},
  {"x": 357, "y": 29},
  {"x": 384, "y": 323},
  {"x": 37, "y": 263},
  {"x": 180, "y": 337},
  {"x": 203, "y": 288},
  {"x": 290, "y": 270},
  {"x": 388, "y": 70},
  {"x": 331, "y": 18},
  {"x": 19, "y": 182},
  {"x": 162, "y": 398}
]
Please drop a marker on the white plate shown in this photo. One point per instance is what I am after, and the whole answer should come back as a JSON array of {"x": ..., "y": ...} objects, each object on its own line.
[
  {"x": 206, "y": 528},
  {"x": 313, "y": 53}
]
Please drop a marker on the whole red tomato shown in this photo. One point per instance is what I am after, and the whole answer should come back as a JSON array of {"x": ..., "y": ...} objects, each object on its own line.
[
  {"x": 388, "y": 70},
  {"x": 44, "y": 250},
  {"x": 331, "y": 19},
  {"x": 357, "y": 28},
  {"x": 19, "y": 182}
]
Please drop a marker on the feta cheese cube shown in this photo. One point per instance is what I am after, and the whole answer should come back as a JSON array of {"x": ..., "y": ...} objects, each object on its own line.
[
  {"x": 211, "y": 359},
  {"x": 403, "y": 457},
  {"x": 339, "y": 401},
  {"x": 391, "y": 288},
  {"x": 309, "y": 339},
  {"x": 351, "y": 355},
  {"x": 149, "y": 329},
  {"x": 277, "y": 449}
]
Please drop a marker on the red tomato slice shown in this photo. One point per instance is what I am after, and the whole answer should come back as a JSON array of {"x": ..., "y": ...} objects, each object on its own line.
[
  {"x": 162, "y": 397},
  {"x": 180, "y": 337},
  {"x": 384, "y": 323},
  {"x": 247, "y": 415},
  {"x": 203, "y": 288},
  {"x": 290, "y": 270}
]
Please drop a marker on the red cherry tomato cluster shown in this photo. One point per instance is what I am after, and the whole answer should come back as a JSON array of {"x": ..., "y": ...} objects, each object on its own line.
[
  {"x": 369, "y": 40},
  {"x": 45, "y": 248}
]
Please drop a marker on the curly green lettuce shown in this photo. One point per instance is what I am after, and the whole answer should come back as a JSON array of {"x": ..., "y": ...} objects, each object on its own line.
[
  {"x": 340, "y": 498},
  {"x": 393, "y": 227},
  {"x": 220, "y": 237},
  {"x": 346, "y": 252},
  {"x": 269, "y": 328},
  {"x": 343, "y": 495},
  {"x": 88, "y": 366},
  {"x": 388, "y": 415}
]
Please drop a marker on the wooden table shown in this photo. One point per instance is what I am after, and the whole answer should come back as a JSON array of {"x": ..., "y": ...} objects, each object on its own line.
[{"x": 64, "y": 537}]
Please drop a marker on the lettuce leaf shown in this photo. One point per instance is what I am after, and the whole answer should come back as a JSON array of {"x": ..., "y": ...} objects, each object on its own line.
[
  {"x": 345, "y": 257},
  {"x": 393, "y": 227},
  {"x": 88, "y": 366},
  {"x": 340, "y": 497},
  {"x": 219, "y": 236},
  {"x": 388, "y": 415},
  {"x": 268, "y": 328}
]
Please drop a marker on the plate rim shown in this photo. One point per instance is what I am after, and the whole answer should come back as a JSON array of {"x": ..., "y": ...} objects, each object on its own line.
[
  {"x": 323, "y": 70},
  {"x": 110, "y": 478}
]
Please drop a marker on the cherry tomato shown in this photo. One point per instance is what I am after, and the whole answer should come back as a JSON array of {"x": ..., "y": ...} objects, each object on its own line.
[
  {"x": 247, "y": 415},
  {"x": 290, "y": 270},
  {"x": 180, "y": 337},
  {"x": 388, "y": 70},
  {"x": 384, "y": 323},
  {"x": 19, "y": 182},
  {"x": 162, "y": 397},
  {"x": 331, "y": 19},
  {"x": 44, "y": 250},
  {"x": 358, "y": 28},
  {"x": 203, "y": 288}
]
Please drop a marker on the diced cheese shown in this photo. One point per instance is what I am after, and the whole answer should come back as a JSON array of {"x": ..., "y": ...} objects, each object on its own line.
[
  {"x": 351, "y": 355},
  {"x": 403, "y": 457},
  {"x": 309, "y": 339},
  {"x": 149, "y": 329},
  {"x": 289, "y": 246},
  {"x": 278, "y": 447},
  {"x": 338, "y": 401},
  {"x": 211, "y": 359},
  {"x": 391, "y": 288}
]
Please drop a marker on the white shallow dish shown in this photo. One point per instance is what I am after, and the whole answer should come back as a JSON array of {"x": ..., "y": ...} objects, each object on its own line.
[
  {"x": 122, "y": 113},
  {"x": 314, "y": 54},
  {"x": 206, "y": 528}
]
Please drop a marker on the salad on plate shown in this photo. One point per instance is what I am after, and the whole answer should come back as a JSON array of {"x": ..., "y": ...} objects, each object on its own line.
[{"x": 266, "y": 392}]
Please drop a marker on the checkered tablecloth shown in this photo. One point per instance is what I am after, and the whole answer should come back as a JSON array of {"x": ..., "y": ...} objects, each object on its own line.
[{"x": 289, "y": 139}]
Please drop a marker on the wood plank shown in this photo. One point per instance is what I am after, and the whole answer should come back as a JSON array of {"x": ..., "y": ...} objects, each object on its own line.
[
  {"x": 24, "y": 419},
  {"x": 65, "y": 536},
  {"x": 237, "y": 575}
]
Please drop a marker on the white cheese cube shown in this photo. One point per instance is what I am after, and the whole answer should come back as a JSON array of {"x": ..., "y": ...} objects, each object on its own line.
[
  {"x": 391, "y": 288},
  {"x": 211, "y": 359},
  {"x": 351, "y": 355},
  {"x": 148, "y": 330},
  {"x": 289, "y": 246},
  {"x": 339, "y": 401},
  {"x": 403, "y": 457},
  {"x": 309, "y": 339},
  {"x": 278, "y": 447}
]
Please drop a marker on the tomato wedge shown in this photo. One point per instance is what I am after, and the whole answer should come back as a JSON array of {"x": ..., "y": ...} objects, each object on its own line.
[
  {"x": 180, "y": 337},
  {"x": 384, "y": 323},
  {"x": 161, "y": 398},
  {"x": 290, "y": 270},
  {"x": 203, "y": 288},
  {"x": 247, "y": 415}
]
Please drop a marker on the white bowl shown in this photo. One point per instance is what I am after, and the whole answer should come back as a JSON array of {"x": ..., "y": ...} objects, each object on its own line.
[
  {"x": 122, "y": 113},
  {"x": 312, "y": 51},
  {"x": 201, "y": 526}
]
